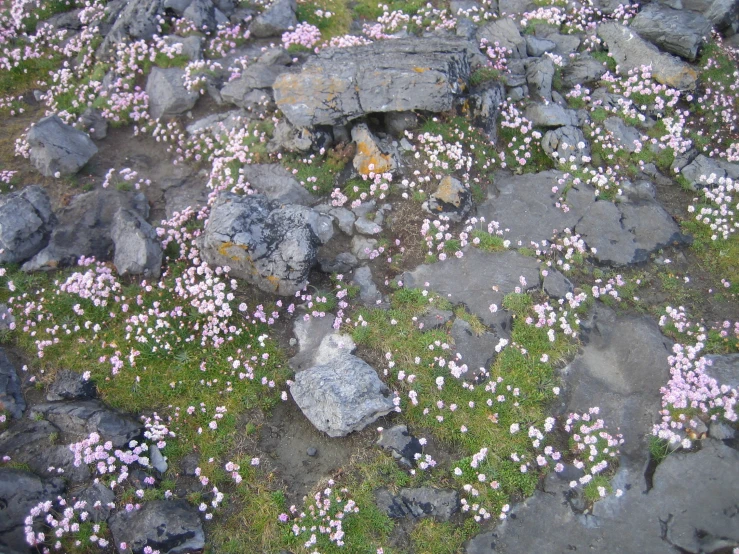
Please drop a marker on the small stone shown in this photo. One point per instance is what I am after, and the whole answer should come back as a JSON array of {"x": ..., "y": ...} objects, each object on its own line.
[
  {"x": 311, "y": 452},
  {"x": 157, "y": 460},
  {"x": 451, "y": 199},
  {"x": 362, "y": 247},
  {"x": 369, "y": 158},
  {"x": 70, "y": 385}
]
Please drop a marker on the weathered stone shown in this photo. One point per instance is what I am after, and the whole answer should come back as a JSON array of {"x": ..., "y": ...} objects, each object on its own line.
[
  {"x": 342, "y": 263},
  {"x": 167, "y": 93},
  {"x": 84, "y": 228},
  {"x": 271, "y": 246},
  {"x": 94, "y": 123},
  {"x": 705, "y": 172},
  {"x": 369, "y": 158},
  {"x": 341, "y": 396},
  {"x": 475, "y": 351},
  {"x": 485, "y": 102},
  {"x": 582, "y": 70},
  {"x": 98, "y": 500},
  {"x": 276, "y": 183},
  {"x": 362, "y": 247},
  {"x": 433, "y": 319},
  {"x": 276, "y": 19},
  {"x": 451, "y": 199},
  {"x": 26, "y": 221},
  {"x": 344, "y": 219},
  {"x": 157, "y": 461},
  {"x": 402, "y": 445},
  {"x": 557, "y": 285},
  {"x": 631, "y": 52},
  {"x": 70, "y": 385},
  {"x": 537, "y": 47},
  {"x": 192, "y": 46},
  {"x": 368, "y": 293},
  {"x": 19, "y": 492},
  {"x": 506, "y": 34},
  {"x": 170, "y": 526},
  {"x": 11, "y": 395},
  {"x": 137, "y": 247},
  {"x": 679, "y": 32},
  {"x": 478, "y": 279},
  {"x": 721, "y": 13},
  {"x": 202, "y": 13},
  {"x": 318, "y": 342},
  {"x": 137, "y": 20},
  {"x": 83, "y": 417},
  {"x": 440, "y": 504},
  {"x": 292, "y": 139},
  {"x": 539, "y": 75},
  {"x": 550, "y": 115},
  {"x": 566, "y": 143},
  {"x": 58, "y": 149},
  {"x": 258, "y": 76},
  {"x": 40, "y": 445},
  {"x": 341, "y": 84},
  {"x": 623, "y": 135},
  {"x": 397, "y": 123},
  {"x": 724, "y": 368}
]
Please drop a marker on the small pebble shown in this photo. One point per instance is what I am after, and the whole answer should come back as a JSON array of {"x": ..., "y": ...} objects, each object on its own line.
[{"x": 311, "y": 451}]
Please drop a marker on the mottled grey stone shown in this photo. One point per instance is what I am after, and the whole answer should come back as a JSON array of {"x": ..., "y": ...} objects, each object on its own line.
[
  {"x": 680, "y": 32},
  {"x": 278, "y": 184},
  {"x": 401, "y": 443},
  {"x": 58, "y": 148},
  {"x": 506, "y": 34},
  {"x": 275, "y": 20},
  {"x": 167, "y": 93},
  {"x": 550, "y": 115},
  {"x": 11, "y": 395},
  {"x": 70, "y": 385},
  {"x": 138, "y": 250},
  {"x": 440, "y": 504},
  {"x": 26, "y": 221}
]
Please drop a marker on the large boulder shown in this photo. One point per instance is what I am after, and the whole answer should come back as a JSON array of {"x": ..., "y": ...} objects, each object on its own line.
[
  {"x": 267, "y": 244},
  {"x": 632, "y": 52},
  {"x": 277, "y": 183},
  {"x": 341, "y": 396},
  {"x": 19, "y": 492},
  {"x": 11, "y": 396},
  {"x": 58, "y": 149},
  {"x": 275, "y": 20},
  {"x": 169, "y": 526},
  {"x": 137, "y": 247},
  {"x": 137, "y": 20},
  {"x": 84, "y": 228},
  {"x": 680, "y": 32},
  {"x": 26, "y": 221},
  {"x": 167, "y": 93},
  {"x": 506, "y": 34},
  {"x": 341, "y": 84},
  {"x": 721, "y": 13}
]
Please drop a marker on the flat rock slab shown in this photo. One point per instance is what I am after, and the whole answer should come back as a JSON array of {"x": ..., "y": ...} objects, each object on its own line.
[
  {"x": 402, "y": 445},
  {"x": 622, "y": 233},
  {"x": 27, "y": 221},
  {"x": 341, "y": 396},
  {"x": 689, "y": 509},
  {"x": 620, "y": 369},
  {"x": 58, "y": 149},
  {"x": 170, "y": 526},
  {"x": 477, "y": 279},
  {"x": 680, "y": 32},
  {"x": 90, "y": 416},
  {"x": 70, "y": 385},
  {"x": 278, "y": 184},
  {"x": 441, "y": 504},
  {"x": 631, "y": 52},
  {"x": 19, "y": 492},
  {"x": 342, "y": 84},
  {"x": 11, "y": 396}
]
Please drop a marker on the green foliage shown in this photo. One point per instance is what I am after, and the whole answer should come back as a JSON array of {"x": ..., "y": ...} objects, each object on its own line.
[{"x": 484, "y": 75}]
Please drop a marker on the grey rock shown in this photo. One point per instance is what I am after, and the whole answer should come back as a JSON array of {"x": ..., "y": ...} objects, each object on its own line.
[
  {"x": 170, "y": 526},
  {"x": 342, "y": 263},
  {"x": 344, "y": 219},
  {"x": 450, "y": 199},
  {"x": 26, "y": 221},
  {"x": 312, "y": 451},
  {"x": 485, "y": 102},
  {"x": 721, "y": 13},
  {"x": 84, "y": 228},
  {"x": 368, "y": 293},
  {"x": 477, "y": 280},
  {"x": 366, "y": 227},
  {"x": 341, "y": 396},
  {"x": 537, "y": 47},
  {"x": 582, "y": 70},
  {"x": 192, "y": 45},
  {"x": 557, "y": 285},
  {"x": 724, "y": 368},
  {"x": 94, "y": 123},
  {"x": 397, "y": 123},
  {"x": 401, "y": 443},
  {"x": 271, "y": 246},
  {"x": 11, "y": 395},
  {"x": 98, "y": 499},
  {"x": 40, "y": 445},
  {"x": 157, "y": 460},
  {"x": 58, "y": 148},
  {"x": 275, "y": 20},
  {"x": 202, "y": 13},
  {"x": 83, "y": 417},
  {"x": 278, "y": 184},
  {"x": 217, "y": 123},
  {"x": 506, "y": 34},
  {"x": 7, "y": 321},
  {"x": 70, "y": 385},
  {"x": 310, "y": 334},
  {"x": 362, "y": 247},
  {"x": 370, "y": 157},
  {"x": 623, "y": 135},
  {"x": 167, "y": 93},
  {"x": 177, "y": 6},
  {"x": 137, "y": 247},
  {"x": 679, "y": 32},
  {"x": 258, "y": 76},
  {"x": 19, "y": 492},
  {"x": 705, "y": 172},
  {"x": 566, "y": 44},
  {"x": 550, "y": 115},
  {"x": 341, "y": 84},
  {"x": 721, "y": 431},
  {"x": 440, "y": 504},
  {"x": 433, "y": 319},
  {"x": 539, "y": 75},
  {"x": 642, "y": 190},
  {"x": 477, "y": 352},
  {"x": 631, "y": 52},
  {"x": 193, "y": 193},
  {"x": 289, "y": 138},
  {"x": 515, "y": 7},
  {"x": 566, "y": 143},
  {"x": 137, "y": 20}
]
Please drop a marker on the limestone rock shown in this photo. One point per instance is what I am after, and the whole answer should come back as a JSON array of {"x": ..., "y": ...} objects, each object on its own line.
[
  {"x": 137, "y": 247},
  {"x": 26, "y": 221},
  {"x": 451, "y": 199},
  {"x": 70, "y": 385},
  {"x": 275, "y": 20},
  {"x": 11, "y": 395},
  {"x": 506, "y": 34},
  {"x": 441, "y": 504},
  {"x": 679, "y": 32},
  {"x": 58, "y": 149},
  {"x": 278, "y": 184},
  {"x": 401, "y": 443},
  {"x": 369, "y": 158},
  {"x": 167, "y": 93}
]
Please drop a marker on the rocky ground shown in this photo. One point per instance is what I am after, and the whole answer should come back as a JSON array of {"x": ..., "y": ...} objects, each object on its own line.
[{"x": 328, "y": 276}]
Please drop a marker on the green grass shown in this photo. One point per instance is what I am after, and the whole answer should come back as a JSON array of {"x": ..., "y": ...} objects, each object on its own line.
[{"x": 336, "y": 25}]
